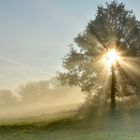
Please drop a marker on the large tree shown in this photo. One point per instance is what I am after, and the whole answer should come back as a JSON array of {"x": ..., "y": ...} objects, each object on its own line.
[{"x": 113, "y": 27}]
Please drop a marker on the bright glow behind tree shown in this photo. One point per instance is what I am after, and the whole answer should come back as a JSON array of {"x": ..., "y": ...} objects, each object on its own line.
[{"x": 111, "y": 57}]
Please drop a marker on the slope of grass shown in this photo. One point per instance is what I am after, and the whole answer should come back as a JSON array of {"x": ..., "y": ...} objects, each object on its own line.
[{"x": 122, "y": 127}]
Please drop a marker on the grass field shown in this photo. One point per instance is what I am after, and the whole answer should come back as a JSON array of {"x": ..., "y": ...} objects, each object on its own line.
[{"x": 64, "y": 127}]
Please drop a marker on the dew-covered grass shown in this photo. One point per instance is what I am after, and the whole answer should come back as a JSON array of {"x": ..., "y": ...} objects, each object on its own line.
[{"x": 121, "y": 127}]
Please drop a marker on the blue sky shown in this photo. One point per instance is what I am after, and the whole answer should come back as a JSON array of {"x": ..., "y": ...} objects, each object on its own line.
[{"x": 34, "y": 35}]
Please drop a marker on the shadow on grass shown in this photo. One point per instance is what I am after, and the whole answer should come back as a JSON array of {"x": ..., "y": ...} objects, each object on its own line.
[{"x": 94, "y": 123}]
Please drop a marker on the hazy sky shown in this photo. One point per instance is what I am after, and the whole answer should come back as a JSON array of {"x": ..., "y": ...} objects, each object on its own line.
[{"x": 34, "y": 35}]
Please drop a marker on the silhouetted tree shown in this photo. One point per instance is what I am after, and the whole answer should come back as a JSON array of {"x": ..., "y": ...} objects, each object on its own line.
[
  {"x": 113, "y": 26},
  {"x": 33, "y": 91},
  {"x": 7, "y": 99}
]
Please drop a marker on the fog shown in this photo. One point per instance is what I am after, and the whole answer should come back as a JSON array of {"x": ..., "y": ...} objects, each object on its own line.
[{"x": 38, "y": 98}]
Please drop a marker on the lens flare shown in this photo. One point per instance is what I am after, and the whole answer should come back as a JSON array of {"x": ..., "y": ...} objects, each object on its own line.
[{"x": 111, "y": 57}]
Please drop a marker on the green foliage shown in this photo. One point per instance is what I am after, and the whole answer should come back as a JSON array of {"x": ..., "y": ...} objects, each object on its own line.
[{"x": 113, "y": 25}]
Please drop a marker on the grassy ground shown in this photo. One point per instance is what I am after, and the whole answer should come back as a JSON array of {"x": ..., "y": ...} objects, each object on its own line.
[{"x": 121, "y": 127}]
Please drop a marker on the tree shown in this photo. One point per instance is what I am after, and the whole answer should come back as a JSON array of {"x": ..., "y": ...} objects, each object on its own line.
[
  {"x": 113, "y": 27},
  {"x": 7, "y": 99},
  {"x": 33, "y": 91}
]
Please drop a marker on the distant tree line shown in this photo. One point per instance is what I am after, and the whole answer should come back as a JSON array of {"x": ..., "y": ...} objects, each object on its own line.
[{"x": 33, "y": 92}]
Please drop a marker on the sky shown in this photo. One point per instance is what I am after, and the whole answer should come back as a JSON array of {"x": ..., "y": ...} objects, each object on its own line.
[{"x": 35, "y": 34}]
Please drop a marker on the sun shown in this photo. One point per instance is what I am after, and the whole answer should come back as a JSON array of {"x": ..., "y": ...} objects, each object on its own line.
[{"x": 111, "y": 57}]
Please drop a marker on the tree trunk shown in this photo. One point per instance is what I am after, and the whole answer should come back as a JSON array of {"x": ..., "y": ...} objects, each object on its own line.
[{"x": 113, "y": 90}]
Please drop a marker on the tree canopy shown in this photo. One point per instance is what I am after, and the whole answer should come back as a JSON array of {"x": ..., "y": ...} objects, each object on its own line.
[{"x": 113, "y": 27}]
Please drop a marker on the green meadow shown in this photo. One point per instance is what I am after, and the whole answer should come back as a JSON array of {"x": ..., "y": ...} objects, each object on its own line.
[{"x": 65, "y": 126}]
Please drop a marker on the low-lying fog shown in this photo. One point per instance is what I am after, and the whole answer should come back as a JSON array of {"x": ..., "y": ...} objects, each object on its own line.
[{"x": 37, "y": 98}]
